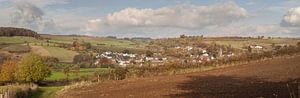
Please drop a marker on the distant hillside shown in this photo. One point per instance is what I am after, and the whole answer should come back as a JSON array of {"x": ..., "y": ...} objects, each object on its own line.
[{"x": 12, "y": 31}]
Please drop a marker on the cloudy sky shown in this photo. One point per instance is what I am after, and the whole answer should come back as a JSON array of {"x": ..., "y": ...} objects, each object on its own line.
[{"x": 155, "y": 18}]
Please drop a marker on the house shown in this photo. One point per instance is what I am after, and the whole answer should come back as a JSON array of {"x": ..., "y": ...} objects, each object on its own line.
[
  {"x": 189, "y": 48},
  {"x": 255, "y": 48}
]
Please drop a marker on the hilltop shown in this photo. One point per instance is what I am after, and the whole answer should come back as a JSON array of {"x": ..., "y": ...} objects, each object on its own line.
[{"x": 12, "y": 31}]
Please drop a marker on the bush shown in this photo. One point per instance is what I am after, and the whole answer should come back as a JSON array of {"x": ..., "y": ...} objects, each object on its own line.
[
  {"x": 107, "y": 66},
  {"x": 102, "y": 75},
  {"x": 120, "y": 73},
  {"x": 85, "y": 65}
]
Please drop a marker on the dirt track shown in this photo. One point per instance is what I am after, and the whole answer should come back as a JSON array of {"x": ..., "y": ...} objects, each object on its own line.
[{"x": 274, "y": 78}]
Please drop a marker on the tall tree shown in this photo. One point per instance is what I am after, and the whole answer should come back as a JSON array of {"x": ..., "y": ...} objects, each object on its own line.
[{"x": 32, "y": 69}]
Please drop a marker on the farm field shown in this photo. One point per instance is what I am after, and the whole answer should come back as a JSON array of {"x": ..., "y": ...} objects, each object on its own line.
[
  {"x": 240, "y": 43},
  {"x": 59, "y": 74},
  {"x": 95, "y": 41},
  {"x": 259, "y": 79},
  {"x": 62, "y": 54},
  {"x": 18, "y": 39},
  {"x": 16, "y": 48},
  {"x": 40, "y": 50}
]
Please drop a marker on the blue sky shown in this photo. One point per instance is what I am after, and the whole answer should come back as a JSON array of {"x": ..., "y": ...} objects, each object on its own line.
[{"x": 155, "y": 18}]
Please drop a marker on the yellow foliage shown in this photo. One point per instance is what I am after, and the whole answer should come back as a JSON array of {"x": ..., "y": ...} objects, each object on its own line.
[
  {"x": 32, "y": 69},
  {"x": 8, "y": 70}
]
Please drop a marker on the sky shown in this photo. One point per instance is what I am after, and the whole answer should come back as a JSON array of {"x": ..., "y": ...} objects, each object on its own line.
[{"x": 154, "y": 18}]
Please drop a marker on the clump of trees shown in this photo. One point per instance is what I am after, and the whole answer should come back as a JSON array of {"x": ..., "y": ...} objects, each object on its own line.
[
  {"x": 11, "y": 31},
  {"x": 80, "y": 45},
  {"x": 30, "y": 68},
  {"x": 50, "y": 61},
  {"x": 83, "y": 60}
]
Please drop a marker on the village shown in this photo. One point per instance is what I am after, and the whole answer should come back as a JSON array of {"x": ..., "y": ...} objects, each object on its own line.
[{"x": 157, "y": 59}]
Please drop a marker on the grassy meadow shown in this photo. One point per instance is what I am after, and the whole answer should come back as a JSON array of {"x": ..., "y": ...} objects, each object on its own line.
[
  {"x": 47, "y": 92},
  {"x": 62, "y": 54},
  {"x": 59, "y": 74},
  {"x": 95, "y": 41}
]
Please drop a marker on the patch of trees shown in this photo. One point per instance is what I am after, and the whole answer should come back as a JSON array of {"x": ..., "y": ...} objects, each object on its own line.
[
  {"x": 83, "y": 60},
  {"x": 80, "y": 45},
  {"x": 50, "y": 61},
  {"x": 31, "y": 68},
  {"x": 11, "y": 31}
]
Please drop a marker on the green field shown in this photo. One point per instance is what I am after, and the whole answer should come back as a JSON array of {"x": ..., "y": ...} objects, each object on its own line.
[
  {"x": 46, "y": 92},
  {"x": 19, "y": 39},
  {"x": 62, "y": 54},
  {"x": 59, "y": 74},
  {"x": 93, "y": 40}
]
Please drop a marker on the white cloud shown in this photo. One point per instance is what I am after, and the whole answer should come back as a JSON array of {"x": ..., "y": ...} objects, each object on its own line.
[
  {"x": 30, "y": 16},
  {"x": 187, "y": 17},
  {"x": 292, "y": 18},
  {"x": 27, "y": 14}
]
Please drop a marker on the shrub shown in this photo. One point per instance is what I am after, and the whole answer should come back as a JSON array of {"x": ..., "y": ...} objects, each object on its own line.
[
  {"x": 102, "y": 75},
  {"x": 119, "y": 73}
]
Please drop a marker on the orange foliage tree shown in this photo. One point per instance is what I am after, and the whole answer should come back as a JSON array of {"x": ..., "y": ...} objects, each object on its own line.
[{"x": 8, "y": 70}]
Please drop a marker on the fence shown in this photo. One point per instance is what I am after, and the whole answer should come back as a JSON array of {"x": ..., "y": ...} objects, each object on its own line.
[
  {"x": 8, "y": 93},
  {"x": 17, "y": 91}
]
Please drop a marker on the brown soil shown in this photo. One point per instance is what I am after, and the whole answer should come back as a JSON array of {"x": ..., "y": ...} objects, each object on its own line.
[{"x": 273, "y": 78}]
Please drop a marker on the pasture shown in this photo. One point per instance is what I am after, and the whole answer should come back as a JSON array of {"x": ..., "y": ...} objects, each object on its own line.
[
  {"x": 95, "y": 41},
  {"x": 59, "y": 74},
  {"x": 62, "y": 54}
]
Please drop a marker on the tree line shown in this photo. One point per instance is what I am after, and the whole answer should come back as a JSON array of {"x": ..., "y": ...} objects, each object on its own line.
[{"x": 12, "y": 31}]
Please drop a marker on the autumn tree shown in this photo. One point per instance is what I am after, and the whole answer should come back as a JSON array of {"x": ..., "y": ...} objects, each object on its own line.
[
  {"x": 77, "y": 70},
  {"x": 32, "y": 69},
  {"x": 8, "y": 70},
  {"x": 66, "y": 72}
]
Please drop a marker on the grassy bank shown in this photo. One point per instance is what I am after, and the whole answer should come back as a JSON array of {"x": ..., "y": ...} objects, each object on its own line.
[{"x": 46, "y": 92}]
